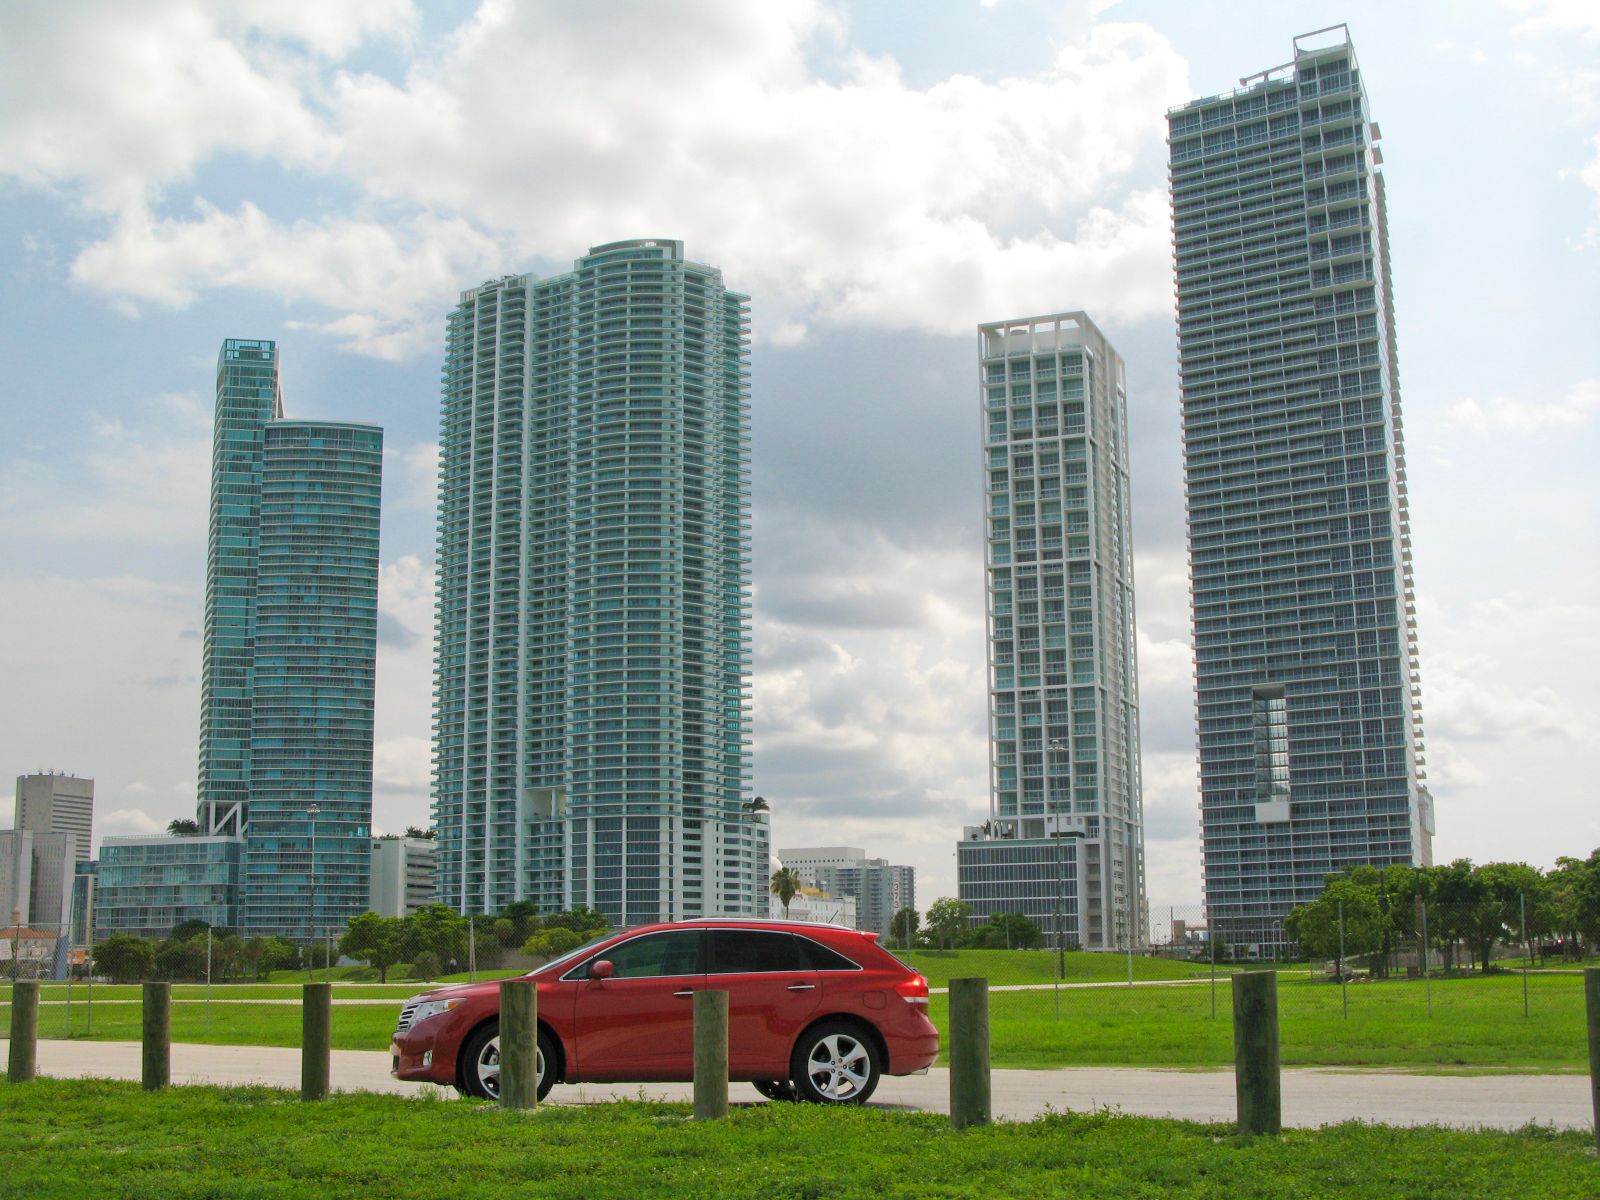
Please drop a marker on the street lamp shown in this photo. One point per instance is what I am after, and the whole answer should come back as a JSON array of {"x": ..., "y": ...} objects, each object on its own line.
[{"x": 311, "y": 890}]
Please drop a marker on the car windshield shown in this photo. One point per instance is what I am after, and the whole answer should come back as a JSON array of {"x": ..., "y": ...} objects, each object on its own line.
[{"x": 572, "y": 954}]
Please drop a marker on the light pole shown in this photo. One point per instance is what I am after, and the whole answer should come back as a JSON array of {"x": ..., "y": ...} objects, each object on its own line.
[{"x": 311, "y": 894}]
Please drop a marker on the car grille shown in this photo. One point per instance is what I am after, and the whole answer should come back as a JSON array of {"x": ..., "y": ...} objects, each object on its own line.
[{"x": 407, "y": 1015}]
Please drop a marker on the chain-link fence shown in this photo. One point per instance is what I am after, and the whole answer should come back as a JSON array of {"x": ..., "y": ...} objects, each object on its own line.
[
  {"x": 1437, "y": 986},
  {"x": 1423, "y": 986}
]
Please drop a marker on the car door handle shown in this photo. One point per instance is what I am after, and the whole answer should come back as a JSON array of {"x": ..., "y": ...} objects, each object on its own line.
[
  {"x": 685, "y": 992},
  {"x": 802, "y": 987}
]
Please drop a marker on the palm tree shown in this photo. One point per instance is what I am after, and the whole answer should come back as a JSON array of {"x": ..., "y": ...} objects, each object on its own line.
[
  {"x": 182, "y": 827},
  {"x": 785, "y": 883}
]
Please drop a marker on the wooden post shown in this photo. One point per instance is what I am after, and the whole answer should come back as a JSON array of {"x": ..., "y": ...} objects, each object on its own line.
[
  {"x": 1255, "y": 1052},
  {"x": 710, "y": 1055},
  {"x": 316, "y": 1038},
  {"x": 24, "y": 1063},
  {"x": 1591, "y": 996},
  {"x": 969, "y": 1052},
  {"x": 157, "y": 1036},
  {"x": 519, "y": 1043}
]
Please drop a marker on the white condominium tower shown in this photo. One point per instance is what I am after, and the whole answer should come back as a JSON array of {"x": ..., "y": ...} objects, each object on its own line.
[
  {"x": 1306, "y": 680},
  {"x": 1064, "y": 844},
  {"x": 593, "y": 653}
]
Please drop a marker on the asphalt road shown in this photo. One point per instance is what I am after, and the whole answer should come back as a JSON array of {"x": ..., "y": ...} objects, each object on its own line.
[{"x": 1311, "y": 1096}]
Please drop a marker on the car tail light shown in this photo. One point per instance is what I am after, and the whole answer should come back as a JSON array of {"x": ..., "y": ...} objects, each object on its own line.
[{"x": 913, "y": 990}]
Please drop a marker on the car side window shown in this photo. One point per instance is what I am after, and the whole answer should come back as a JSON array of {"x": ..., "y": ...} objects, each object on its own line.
[
  {"x": 675, "y": 952},
  {"x": 823, "y": 959},
  {"x": 754, "y": 951}
]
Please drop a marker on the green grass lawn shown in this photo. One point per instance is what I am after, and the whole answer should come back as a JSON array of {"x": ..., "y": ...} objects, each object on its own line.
[
  {"x": 999, "y": 967},
  {"x": 75, "y": 1138},
  {"x": 1477, "y": 1022}
]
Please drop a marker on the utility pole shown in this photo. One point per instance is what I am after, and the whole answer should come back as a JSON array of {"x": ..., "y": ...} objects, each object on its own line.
[{"x": 311, "y": 897}]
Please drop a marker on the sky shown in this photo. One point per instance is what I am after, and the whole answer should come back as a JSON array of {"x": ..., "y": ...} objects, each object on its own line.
[{"x": 880, "y": 178}]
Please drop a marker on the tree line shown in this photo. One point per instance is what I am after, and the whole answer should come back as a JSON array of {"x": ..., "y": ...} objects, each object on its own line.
[
  {"x": 432, "y": 942},
  {"x": 1467, "y": 909}
]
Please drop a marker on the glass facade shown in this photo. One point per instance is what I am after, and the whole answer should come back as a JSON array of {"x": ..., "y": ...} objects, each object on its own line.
[
  {"x": 147, "y": 885},
  {"x": 1309, "y": 717},
  {"x": 1063, "y": 678},
  {"x": 593, "y": 653},
  {"x": 290, "y": 647}
]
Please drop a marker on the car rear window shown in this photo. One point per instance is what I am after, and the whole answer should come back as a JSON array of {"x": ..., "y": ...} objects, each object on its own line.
[
  {"x": 754, "y": 951},
  {"x": 821, "y": 958}
]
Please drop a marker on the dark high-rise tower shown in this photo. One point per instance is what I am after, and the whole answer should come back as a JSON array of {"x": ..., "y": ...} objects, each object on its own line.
[{"x": 1309, "y": 718}]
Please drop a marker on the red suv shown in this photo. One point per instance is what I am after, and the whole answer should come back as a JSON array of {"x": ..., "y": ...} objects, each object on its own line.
[{"x": 815, "y": 1012}]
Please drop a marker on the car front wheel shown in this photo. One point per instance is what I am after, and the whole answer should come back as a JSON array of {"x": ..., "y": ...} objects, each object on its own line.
[
  {"x": 835, "y": 1062},
  {"x": 480, "y": 1070}
]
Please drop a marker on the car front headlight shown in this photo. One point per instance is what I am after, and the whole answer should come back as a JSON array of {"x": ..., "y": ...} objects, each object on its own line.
[{"x": 432, "y": 1008}]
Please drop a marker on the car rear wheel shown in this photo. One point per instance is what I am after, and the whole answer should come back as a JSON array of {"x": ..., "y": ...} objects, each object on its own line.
[
  {"x": 776, "y": 1089},
  {"x": 835, "y": 1062},
  {"x": 480, "y": 1058}
]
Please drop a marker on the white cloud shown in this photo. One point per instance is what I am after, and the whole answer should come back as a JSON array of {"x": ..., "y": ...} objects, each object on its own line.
[
  {"x": 838, "y": 193},
  {"x": 1506, "y": 414},
  {"x": 1558, "y": 16},
  {"x": 128, "y": 821},
  {"x": 392, "y": 281}
]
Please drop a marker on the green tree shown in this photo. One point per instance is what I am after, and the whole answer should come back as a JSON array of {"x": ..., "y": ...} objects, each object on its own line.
[
  {"x": 183, "y": 827},
  {"x": 375, "y": 941},
  {"x": 185, "y": 930},
  {"x": 123, "y": 958},
  {"x": 427, "y": 967},
  {"x": 552, "y": 943},
  {"x": 903, "y": 926},
  {"x": 580, "y": 920},
  {"x": 414, "y": 831},
  {"x": 278, "y": 954},
  {"x": 1316, "y": 926},
  {"x": 1009, "y": 931},
  {"x": 947, "y": 921},
  {"x": 182, "y": 958},
  {"x": 438, "y": 930},
  {"x": 785, "y": 885}
]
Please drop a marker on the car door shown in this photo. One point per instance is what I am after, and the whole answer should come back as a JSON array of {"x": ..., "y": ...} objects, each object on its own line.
[
  {"x": 639, "y": 1023},
  {"x": 772, "y": 992}
]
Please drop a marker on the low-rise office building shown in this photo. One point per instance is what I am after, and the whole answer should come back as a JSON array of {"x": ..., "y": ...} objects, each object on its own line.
[{"x": 148, "y": 885}]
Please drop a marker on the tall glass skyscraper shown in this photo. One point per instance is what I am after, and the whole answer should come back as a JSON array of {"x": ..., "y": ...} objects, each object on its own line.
[
  {"x": 1064, "y": 844},
  {"x": 1310, "y": 725},
  {"x": 591, "y": 717},
  {"x": 290, "y": 646}
]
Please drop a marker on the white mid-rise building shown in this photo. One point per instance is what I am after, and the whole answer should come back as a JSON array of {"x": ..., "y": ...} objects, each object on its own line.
[{"x": 404, "y": 875}]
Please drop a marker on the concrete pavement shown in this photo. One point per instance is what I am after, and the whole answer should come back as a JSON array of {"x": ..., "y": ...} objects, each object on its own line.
[{"x": 1311, "y": 1096}]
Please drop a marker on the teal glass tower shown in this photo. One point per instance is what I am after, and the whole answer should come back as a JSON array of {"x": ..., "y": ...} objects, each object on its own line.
[
  {"x": 289, "y": 651},
  {"x": 1306, "y": 677},
  {"x": 591, "y": 717}
]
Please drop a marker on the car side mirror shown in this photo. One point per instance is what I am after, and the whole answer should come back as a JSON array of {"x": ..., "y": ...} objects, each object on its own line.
[{"x": 601, "y": 969}]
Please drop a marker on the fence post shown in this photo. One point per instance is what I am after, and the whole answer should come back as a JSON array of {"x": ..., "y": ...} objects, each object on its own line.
[
  {"x": 969, "y": 1052},
  {"x": 1257, "y": 1084},
  {"x": 1427, "y": 965},
  {"x": 24, "y": 1064},
  {"x": 710, "y": 1055},
  {"x": 1591, "y": 997},
  {"x": 519, "y": 1043},
  {"x": 316, "y": 1038},
  {"x": 157, "y": 1036},
  {"x": 1527, "y": 948}
]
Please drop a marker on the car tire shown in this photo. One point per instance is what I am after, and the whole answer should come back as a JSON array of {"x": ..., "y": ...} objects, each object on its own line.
[
  {"x": 776, "y": 1089},
  {"x": 835, "y": 1062},
  {"x": 480, "y": 1063}
]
